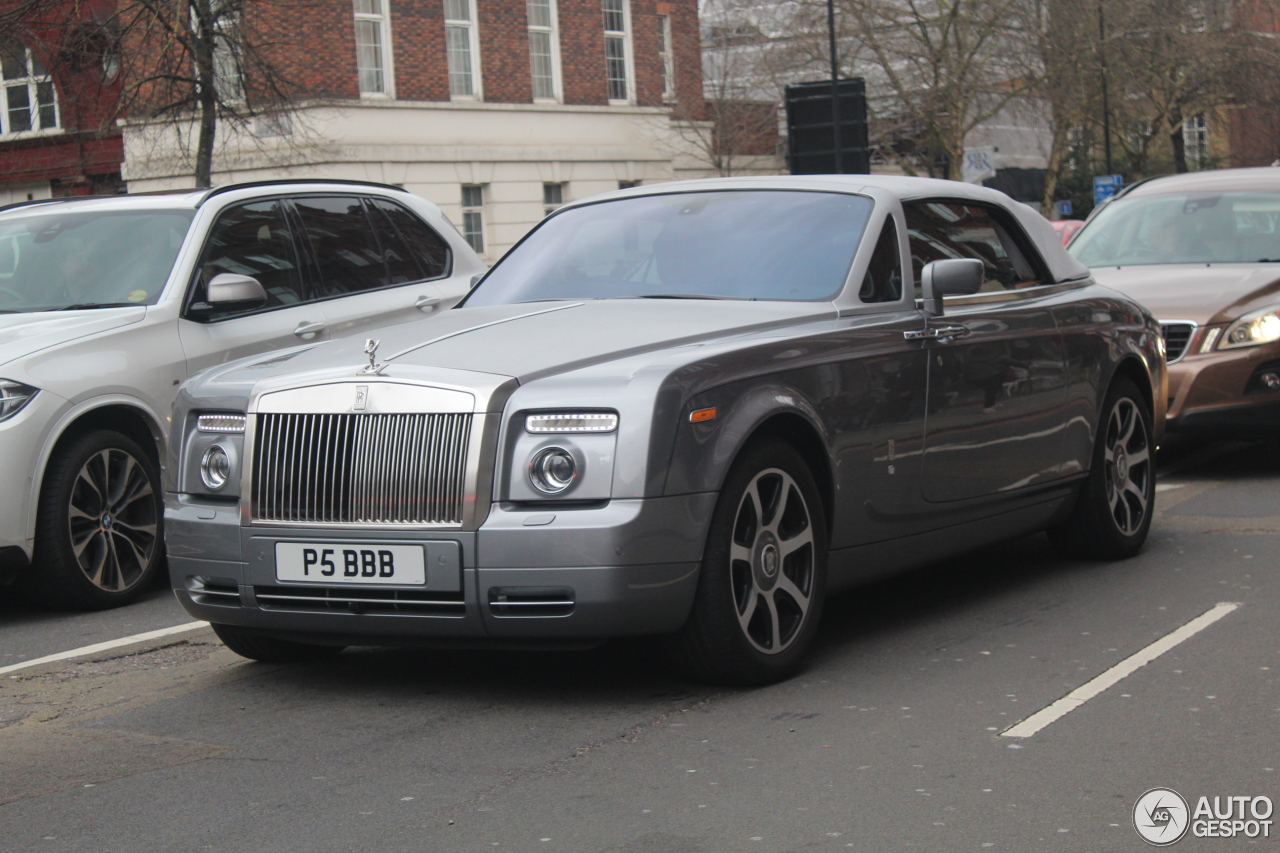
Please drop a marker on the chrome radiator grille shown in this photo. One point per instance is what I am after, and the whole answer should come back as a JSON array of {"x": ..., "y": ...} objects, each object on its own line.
[
  {"x": 374, "y": 469},
  {"x": 1176, "y": 338}
]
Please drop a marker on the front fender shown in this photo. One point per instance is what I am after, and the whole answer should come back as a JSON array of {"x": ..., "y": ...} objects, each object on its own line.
[{"x": 702, "y": 453}]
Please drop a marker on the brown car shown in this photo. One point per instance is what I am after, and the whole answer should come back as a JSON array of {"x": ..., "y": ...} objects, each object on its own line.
[{"x": 1202, "y": 252}]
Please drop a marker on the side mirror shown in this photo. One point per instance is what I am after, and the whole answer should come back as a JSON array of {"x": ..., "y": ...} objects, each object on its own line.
[
  {"x": 943, "y": 278},
  {"x": 228, "y": 290}
]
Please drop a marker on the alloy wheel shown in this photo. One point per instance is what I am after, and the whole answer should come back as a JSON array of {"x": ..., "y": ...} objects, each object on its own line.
[
  {"x": 1127, "y": 454},
  {"x": 772, "y": 561},
  {"x": 112, "y": 520}
]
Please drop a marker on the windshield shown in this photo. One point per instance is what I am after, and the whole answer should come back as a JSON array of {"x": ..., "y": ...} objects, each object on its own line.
[
  {"x": 1192, "y": 228},
  {"x": 757, "y": 244},
  {"x": 59, "y": 260}
]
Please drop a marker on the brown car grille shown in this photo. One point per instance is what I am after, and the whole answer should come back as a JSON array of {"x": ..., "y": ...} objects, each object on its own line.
[
  {"x": 1176, "y": 338},
  {"x": 375, "y": 469}
]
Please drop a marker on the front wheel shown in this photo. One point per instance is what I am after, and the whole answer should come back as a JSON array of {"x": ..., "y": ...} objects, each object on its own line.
[
  {"x": 1113, "y": 511},
  {"x": 763, "y": 577},
  {"x": 99, "y": 530}
]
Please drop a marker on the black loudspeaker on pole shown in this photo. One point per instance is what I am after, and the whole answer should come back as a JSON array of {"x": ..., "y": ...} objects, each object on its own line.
[{"x": 812, "y": 134}]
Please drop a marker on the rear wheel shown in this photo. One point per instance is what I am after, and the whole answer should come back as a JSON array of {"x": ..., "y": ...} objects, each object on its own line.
[
  {"x": 271, "y": 649},
  {"x": 763, "y": 576},
  {"x": 99, "y": 529},
  {"x": 1113, "y": 511}
]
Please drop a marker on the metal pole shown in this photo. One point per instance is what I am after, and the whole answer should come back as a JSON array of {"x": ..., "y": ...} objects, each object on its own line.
[
  {"x": 835, "y": 87},
  {"x": 1106, "y": 107}
]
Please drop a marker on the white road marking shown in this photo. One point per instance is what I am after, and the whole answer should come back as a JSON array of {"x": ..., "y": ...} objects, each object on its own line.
[
  {"x": 109, "y": 644},
  {"x": 1126, "y": 667},
  {"x": 1168, "y": 487}
]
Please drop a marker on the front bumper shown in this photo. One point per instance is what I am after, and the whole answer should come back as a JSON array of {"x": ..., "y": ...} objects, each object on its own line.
[
  {"x": 1219, "y": 393},
  {"x": 616, "y": 569}
]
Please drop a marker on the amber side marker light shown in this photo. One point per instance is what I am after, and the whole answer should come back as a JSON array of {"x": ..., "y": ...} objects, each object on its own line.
[{"x": 701, "y": 415}]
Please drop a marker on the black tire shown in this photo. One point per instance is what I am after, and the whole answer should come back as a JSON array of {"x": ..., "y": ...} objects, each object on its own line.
[
  {"x": 763, "y": 578},
  {"x": 271, "y": 649},
  {"x": 1113, "y": 510},
  {"x": 99, "y": 525}
]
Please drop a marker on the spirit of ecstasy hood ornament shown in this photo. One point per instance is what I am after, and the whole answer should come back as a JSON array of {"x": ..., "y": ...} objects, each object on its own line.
[{"x": 371, "y": 350}]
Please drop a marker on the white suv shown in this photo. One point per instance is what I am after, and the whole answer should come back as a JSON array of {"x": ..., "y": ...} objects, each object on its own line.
[{"x": 107, "y": 304}]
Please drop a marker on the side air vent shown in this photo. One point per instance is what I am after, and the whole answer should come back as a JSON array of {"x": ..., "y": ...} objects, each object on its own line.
[
  {"x": 326, "y": 599},
  {"x": 529, "y": 601},
  {"x": 219, "y": 592}
]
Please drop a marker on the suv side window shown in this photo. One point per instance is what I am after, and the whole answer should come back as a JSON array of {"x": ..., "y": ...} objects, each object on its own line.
[
  {"x": 883, "y": 281},
  {"x": 252, "y": 239},
  {"x": 429, "y": 248},
  {"x": 940, "y": 230},
  {"x": 348, "y": 256}
]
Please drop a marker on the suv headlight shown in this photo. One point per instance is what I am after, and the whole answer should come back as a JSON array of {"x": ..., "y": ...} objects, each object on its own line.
[
  {"x": 13, "y": 396},
  {"x": 1256, "y": 327}
]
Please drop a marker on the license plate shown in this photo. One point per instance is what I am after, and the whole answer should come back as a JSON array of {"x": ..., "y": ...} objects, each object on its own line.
[{"x": 337, "y": 562}]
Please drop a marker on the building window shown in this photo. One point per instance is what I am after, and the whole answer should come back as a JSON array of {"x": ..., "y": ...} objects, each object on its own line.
[
  {"x": 228, "y": 78},
  {"x": 544, "y": 50},
  {"x": 552, "y": 197},
  {"x": 617, "y": 56},
  {"x": 29, "y": 99},
  {"x": 667, "y": 57},
  {"x": 1195, "y": 141},
  {"x": 473, "y": 216},
  {"x": 463, "y": 48},
  {"x": 373, "y": 43}
]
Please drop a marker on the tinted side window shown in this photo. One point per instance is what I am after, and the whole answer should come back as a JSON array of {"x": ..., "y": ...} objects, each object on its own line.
[
  {"x": 252, "y": 239},
  {"x": 941, "y": 230},
  {"x": 343, "y": 243},
  {"x": 883, "y": 281},
  {"x": 430, "y": 249}
]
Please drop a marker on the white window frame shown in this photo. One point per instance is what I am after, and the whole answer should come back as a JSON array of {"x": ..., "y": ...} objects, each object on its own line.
[
  {"x": 667, "y": 56},
  {"x": 473, "y": 45},
  {"x": 1195, "y": 141},
  {"x": 477, "y": 211},
  {"x": 32, "y": 82},
  {"x": 627, "y": 52},
  {"x": 383, "y": 19},
  {"x": 557, "y": 78}
]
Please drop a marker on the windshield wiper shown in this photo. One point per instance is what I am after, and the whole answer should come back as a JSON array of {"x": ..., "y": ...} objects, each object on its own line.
[{"x": 84, "y": 306}]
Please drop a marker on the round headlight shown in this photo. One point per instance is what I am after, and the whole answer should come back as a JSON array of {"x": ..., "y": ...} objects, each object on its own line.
[
  {"x": 215, "y": 468},
  {"x": 552, "y": 470}
]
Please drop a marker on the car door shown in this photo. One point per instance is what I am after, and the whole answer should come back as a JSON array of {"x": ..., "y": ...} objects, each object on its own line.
[
  {"x": 253, "y": 239},
  {"x": 997, "y": 387},
  {"x": 374, "y": 262}
]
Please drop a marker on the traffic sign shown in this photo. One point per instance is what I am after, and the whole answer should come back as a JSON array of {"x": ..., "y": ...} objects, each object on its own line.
[{"x": 1105, "y": 186}]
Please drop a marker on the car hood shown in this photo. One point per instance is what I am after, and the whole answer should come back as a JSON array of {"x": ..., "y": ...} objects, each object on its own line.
[
  {"x": 1205, "y": 293},
  {"x": 525, "y": 341},
  {"x": 24, "y": 334}
]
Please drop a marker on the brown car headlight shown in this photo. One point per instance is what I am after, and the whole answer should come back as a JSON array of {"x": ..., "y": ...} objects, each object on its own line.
[{"x": 1254, "y": 328}]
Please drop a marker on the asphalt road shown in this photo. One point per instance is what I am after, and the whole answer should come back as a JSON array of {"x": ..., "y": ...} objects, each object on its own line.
[{"x": 890, "y": 741}]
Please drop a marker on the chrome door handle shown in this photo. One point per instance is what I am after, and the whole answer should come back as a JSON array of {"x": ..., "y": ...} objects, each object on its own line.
[
  {"x": 937, "y": 333},
  {"x": 307, "y": 331},
  {"x": 426, "y": 303}
]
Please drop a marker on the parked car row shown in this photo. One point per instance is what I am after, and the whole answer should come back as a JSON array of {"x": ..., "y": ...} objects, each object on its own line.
[{"x": 689, "y": 411}]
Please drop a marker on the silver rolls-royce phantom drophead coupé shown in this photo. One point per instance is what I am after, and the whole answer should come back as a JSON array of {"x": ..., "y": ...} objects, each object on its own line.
[{"x": 690, "y": 411}]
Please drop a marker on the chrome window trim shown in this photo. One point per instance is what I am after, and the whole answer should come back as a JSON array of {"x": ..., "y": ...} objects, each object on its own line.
[{"x": 1013, "y": 295}]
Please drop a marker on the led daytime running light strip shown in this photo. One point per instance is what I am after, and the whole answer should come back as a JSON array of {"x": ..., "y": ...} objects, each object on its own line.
[
  {"x": 220, "y": 423},
  {"x": 571, "y": 422}
]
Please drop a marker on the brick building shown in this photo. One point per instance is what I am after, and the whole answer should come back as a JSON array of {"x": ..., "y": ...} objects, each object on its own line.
[
  {"x": 497, "y": 110},
  {"x": 57, "y": 136}
]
